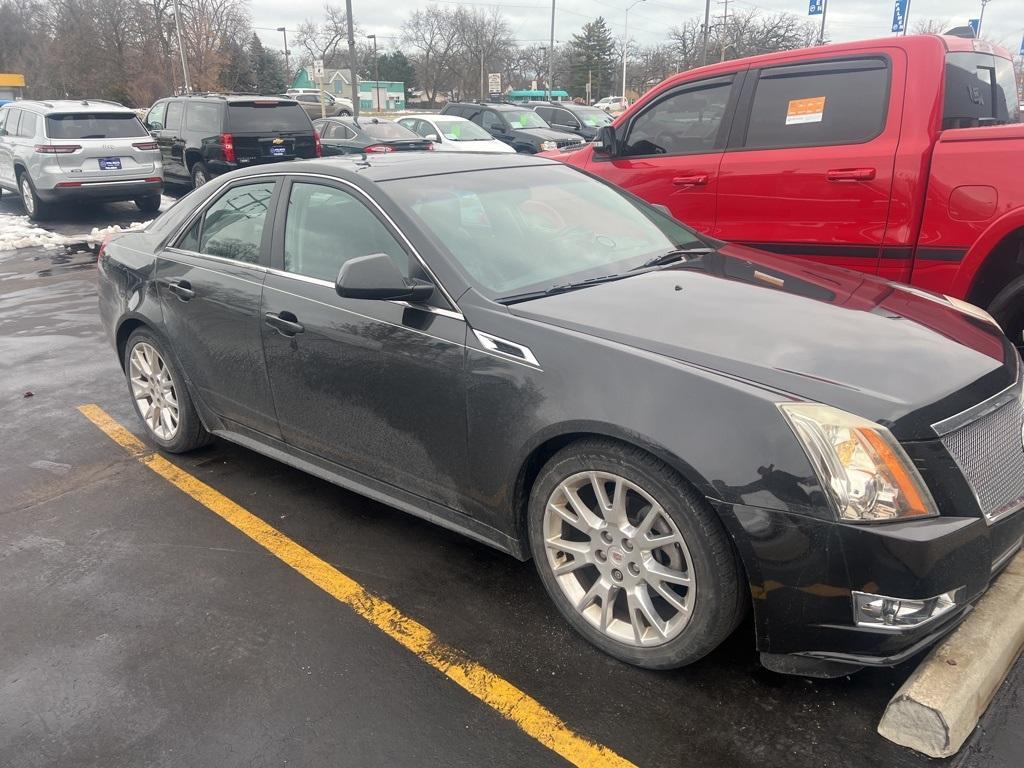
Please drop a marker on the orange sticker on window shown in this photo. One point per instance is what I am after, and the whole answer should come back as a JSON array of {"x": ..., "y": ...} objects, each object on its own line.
[{"x": 805, "y": 110}]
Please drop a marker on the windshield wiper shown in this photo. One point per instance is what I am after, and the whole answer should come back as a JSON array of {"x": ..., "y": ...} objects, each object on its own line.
[
  {"x": 676, "y": 254},
  {"x": 562, "y": 288}
]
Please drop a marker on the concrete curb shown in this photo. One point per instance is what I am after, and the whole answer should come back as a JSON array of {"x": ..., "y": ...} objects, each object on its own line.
[{"x": 938, "y": 706}]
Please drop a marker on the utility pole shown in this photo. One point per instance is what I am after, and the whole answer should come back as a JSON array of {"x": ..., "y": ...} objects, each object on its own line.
[
  {"x": 551, "y": 52},
  {"x": 625, "y": 44},
  {"x": 981, "y": 18},
  {"x": 482, "y": 99},
  {"x": 707, "y": 30},
  {"x": 824, "y": 13},
  {"x": 181, "y": 48},
  {"x": 352, "y": 59},
  {"x": 906, "y": 19},
  {"x": 725, "y": 27},
  {"x": 376, "y": 72},
  {"x": 287, "y": 62}
]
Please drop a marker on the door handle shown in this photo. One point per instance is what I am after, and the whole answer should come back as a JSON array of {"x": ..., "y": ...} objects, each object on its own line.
[
  {"x": 850, "y": 174},
  {"x": 697, "y": 180},
  {"x": 182, "y": 289},
  {"x": 284, "y": 323}
]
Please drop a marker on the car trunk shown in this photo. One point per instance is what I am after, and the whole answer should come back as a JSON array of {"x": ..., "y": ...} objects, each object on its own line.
[
  {"x": 106, "y": 144},
  {"x": 403, "y": 145},
  {"x": 269, "y": 129}
]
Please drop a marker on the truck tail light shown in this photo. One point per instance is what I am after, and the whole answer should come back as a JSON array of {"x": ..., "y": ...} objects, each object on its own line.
[
  {"x": 227, "y": 142},
  {"x": 375, "y": 148},
  {"x": 57, "y": 149}
]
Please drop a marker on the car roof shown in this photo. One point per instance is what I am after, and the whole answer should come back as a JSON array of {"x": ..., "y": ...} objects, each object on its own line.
[
  {"x": 64, "y": 106},
  {"x": 229, "y": 97},
  {"x": 497, "y": 105},
  {"x": 437, "y": 118}
]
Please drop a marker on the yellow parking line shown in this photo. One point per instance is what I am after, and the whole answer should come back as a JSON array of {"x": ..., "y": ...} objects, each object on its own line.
[{"x": 506, "y": 699}]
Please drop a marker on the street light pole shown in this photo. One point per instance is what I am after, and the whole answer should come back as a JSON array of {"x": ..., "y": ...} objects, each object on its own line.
[
  {"x": 181, "y": 48},
  {"x": 376, "y": 72},
  {"x": 824, "y": 12},
  {"x": 287, "y": 62},
  {"x": 981, "y": 18},
  {"x": 707, "y": 29},
  {"x": 625, "y": 44},
  {"x": 352, "y": 60},
  {"x": 551, "y": 52}
]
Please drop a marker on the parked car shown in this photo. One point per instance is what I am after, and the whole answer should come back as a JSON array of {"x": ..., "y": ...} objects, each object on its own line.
[
  {"x": 204, "y": 136},
  {"x": 332, "y": 107},
  {"x": 63, "y": 151},
  {"x": 450, "y": 133},
  {"x": 678, "y": 431},
  {"x": 613, "y": 105},
  {"x": 880, "y": 156},
  {"x": 565, "y": 116},
  {"x": 342, "y": 101},
  {"x": 348, "y": 136},
  {"x": 519, "y": 127}
]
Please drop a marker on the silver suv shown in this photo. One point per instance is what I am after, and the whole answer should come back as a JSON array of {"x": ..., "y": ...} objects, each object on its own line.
[{"x": 53, "y": 151}]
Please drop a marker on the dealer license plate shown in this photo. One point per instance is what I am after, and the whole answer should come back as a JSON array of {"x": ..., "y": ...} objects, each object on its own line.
[{"x": 110, "y": 163}]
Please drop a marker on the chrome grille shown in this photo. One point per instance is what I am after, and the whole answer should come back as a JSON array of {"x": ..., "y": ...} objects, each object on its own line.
[{"x": 990, "y": 454}]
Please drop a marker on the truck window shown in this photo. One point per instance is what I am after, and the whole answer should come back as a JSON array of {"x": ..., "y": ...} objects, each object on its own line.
[
  {"x": 980, "y": 90},
  {"x": 686, "y": 122},
  {"x": 819, "y": 103}
]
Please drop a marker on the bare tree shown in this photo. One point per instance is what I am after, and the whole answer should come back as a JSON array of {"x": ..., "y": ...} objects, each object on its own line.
[
  {"x": 323, "y": 41},
  {"x": 931, "y": 26},
  {"x": 430, "y": 38}
]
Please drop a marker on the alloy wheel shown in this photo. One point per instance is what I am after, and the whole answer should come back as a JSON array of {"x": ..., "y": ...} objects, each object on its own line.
[
  {"x": 153, "y": 390},
  {"x": 199, "y": 178},
  {"x": 619, "y": 558},
  {"x": 27, "y": 199}
]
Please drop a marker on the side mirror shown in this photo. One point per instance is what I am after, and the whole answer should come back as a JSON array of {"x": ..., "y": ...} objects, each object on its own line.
[
  {"x": 432, "y": 137},
  {"x": 376, "y": 277},
  {"x": 605, "y": 142},
  {"x": 155, "y": 126}
]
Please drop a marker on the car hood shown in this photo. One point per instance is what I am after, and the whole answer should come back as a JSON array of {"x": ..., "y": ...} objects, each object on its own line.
[
  {"x": 546, "y": 134},
  {"x": 896, "y": 355}
]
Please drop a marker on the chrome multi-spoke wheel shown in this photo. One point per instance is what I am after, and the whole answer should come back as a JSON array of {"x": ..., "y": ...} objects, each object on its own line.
[
  {"x": 28, "y": 198},
  {"x": 619, "y": 558},
  {"x": 154, "y": 391}
]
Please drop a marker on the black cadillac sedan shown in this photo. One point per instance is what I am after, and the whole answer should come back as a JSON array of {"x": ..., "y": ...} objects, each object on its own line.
[
  {"x": 366, "y": 135},
  {"x": 678, "y": 431}
]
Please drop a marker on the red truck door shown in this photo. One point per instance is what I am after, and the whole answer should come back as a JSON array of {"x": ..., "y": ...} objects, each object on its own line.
[
  {"x": 670, "y": 150},
  {"x": 809, "y": 167}
]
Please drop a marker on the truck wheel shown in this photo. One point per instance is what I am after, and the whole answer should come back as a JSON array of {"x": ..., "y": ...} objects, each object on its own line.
[{"x": 1008, "y": 310}]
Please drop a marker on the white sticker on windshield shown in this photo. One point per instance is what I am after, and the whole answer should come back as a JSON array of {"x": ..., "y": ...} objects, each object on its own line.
[{"x": 802, "y": 111}]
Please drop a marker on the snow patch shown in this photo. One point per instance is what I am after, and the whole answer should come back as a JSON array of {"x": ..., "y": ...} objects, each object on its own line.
[{"x": 18, "y": 232}]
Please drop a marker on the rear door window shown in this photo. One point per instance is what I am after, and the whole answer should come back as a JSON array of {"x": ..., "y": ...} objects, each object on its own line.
[
  {"x": 11, "y": 126},
  {"x": 203, "y": 116},
  {"x": 28, "y": 124},
  {"x": 267, "y": 117},
  {"x": 232, "y": 227},
  {"x": 819, "y": 103},
  {"x": 980, "y": 90},
  {"x": 686, "y": 122}
]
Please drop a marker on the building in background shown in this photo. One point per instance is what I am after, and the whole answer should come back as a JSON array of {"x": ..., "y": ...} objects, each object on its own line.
[
  {"x": 12, "y": 86},
  {"x": 381, "y": 97},
  {"x": 537, "y": 95},
  {"x": 336, "y": 81}
]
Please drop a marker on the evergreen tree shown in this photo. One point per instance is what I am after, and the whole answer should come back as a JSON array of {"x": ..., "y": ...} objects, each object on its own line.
[
  {"x": 593, "y": 55},
  {"x": 267, "y": 68},
  {"x": 396, "y": 68}
]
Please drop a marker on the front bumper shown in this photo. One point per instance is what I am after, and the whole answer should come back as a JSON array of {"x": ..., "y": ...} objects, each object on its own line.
[
  {"x": 102, "y": 191},
  {"x": 802, "y": 572}
]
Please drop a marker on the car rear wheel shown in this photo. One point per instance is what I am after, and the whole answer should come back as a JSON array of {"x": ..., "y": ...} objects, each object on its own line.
[
  {"x": 1008, "y": 310},
  {"x": 148, "y": 204},
  {"x": 34, "y": 207},
  {"x": 200, "y": 175},
  {"x": 160, "y": 397},
  {"x": 632, "y": 556}
]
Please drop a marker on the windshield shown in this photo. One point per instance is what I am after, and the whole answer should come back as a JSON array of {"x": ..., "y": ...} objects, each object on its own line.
[
  {"x": 94, "y": 126},
  {"x": 515, "y": 230},
  {"x": 593, "y": 117},
  {"x": 524, "y": 118},
  {"x": 267, "y": 117},
  {"x": 386, "y": 131},
  {"x": 462, "y": 130}
]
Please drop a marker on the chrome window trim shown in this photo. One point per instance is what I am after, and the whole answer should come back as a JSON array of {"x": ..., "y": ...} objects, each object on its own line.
[
  {"x": 294, "y": 175},
  {"x": 490, "y": 343}
]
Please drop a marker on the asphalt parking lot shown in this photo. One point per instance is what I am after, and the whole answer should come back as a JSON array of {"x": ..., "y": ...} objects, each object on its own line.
[{"x": 139, "y": 628}]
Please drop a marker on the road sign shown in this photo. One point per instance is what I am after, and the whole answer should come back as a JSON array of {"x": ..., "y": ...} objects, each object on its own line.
[
  {"x": 899, "y": 15},
  {"x": 815, "y": 7},
  {"x": 494, "y": 82},
  {"x": 318, "y": 69},
  {"x": 974, "y": 24}
]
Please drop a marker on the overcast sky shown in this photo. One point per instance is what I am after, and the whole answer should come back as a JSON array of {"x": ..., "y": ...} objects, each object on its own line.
[{"x": 650, "y": 20}]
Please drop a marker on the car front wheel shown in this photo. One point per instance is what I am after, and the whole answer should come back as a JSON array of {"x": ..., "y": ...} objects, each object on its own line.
[
  {"x": 632, "y": 556},
  {"x": 160, "y": 397}
]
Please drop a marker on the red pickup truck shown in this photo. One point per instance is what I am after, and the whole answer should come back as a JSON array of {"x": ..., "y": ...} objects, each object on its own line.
[{"x": 901, "y": 157}]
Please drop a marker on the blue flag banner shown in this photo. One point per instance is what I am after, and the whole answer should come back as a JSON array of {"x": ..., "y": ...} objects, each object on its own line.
[
  {"x": 815, "y": 7},
  {"x": 899, "y": 16},
  {"x": 974, "y": 23},
  {"x": 1022, "y": 46}
]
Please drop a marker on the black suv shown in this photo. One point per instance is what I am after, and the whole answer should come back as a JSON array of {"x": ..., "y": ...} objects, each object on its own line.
[
  {"x": 204, "y": 136},
  {"x": 574, "y": 118},
  {"x": 518, "y": 126}
]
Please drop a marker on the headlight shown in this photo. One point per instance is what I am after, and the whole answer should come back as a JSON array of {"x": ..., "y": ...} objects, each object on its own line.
[
  {"x": 866, "y": 473},
  {"x": 547, "y": 146}
]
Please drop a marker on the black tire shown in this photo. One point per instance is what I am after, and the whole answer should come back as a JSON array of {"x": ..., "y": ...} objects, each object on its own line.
[
  {"x": 148, "y": 204},
  {"x": 200, "y": 174},
  {"x": 344, "y": 113},
  {"x": 36, "y": 209},
  {"x": 1008, "y": 310},
  {"x": 191, "y": 433},
  {"x": 719, "y": 601}
]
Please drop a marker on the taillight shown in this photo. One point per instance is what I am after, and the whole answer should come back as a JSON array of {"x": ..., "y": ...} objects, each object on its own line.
[
  {"x": 227, "y": 142},
  {"x": 317, "y": 146},
  {"x": 379, "y": 148},
  {"x": 429, "y": 147},
  {"x": 103, "y": 245},
  {"x": 145, "y": 145},
  {"x": 57, "y": 149}
]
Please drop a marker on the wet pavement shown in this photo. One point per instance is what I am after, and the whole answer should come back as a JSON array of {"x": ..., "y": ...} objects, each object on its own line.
[{"x": 137, "y": 628}]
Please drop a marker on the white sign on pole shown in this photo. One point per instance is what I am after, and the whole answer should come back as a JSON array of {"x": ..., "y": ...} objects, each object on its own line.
[
  {"x": 494, "y": 82},
  {"x": 318, "y": 69}
]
